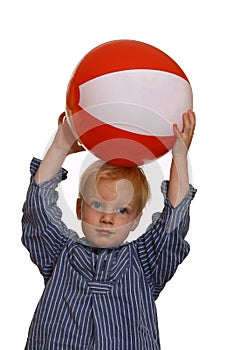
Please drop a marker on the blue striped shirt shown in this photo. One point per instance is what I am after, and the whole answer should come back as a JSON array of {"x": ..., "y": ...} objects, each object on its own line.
[{"x": 100, "y": 299}]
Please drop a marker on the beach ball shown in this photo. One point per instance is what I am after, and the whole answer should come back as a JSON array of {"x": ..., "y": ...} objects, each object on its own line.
[{"x": 122, "y": 101}]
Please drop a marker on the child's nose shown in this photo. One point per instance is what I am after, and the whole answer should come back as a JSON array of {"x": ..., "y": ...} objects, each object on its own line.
[{"x": 107, "y": 218}]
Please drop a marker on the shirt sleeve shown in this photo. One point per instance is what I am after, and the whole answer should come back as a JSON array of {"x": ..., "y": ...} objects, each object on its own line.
[
  {"x": 163, "y": 247},
  {"x": 43, "y": 232}
]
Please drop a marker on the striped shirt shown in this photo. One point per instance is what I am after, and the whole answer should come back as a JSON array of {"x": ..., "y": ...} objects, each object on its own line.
[{"x": 100, "y": 299}]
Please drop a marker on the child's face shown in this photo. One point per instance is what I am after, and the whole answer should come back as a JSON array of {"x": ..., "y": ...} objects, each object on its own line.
[{"x": 109, "y": 211}]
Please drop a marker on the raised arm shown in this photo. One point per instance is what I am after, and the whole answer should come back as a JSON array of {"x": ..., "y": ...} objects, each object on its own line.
[
  {"x": 64, "y": 143},
  {"x": 179, "y": 177},
  {"x": 44, "y": 232}
]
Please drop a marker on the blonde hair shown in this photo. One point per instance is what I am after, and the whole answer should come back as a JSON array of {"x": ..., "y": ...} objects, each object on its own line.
[{"x": 135, "y": 175}]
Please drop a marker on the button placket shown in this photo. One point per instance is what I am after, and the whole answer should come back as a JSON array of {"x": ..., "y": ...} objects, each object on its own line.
[{"x": 102, "y": 266}]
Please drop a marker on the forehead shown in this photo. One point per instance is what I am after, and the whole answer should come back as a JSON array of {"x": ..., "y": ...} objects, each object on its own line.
[
  {"x": 118, "y": 191},
  {"x": 109, "y": 189}
]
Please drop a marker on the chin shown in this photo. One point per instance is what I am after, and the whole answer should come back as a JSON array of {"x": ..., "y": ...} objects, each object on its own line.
[{"x": 104, "y": 244}]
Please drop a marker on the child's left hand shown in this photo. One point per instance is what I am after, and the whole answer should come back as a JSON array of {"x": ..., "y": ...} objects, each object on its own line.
[{"x": 184, "y": 137}]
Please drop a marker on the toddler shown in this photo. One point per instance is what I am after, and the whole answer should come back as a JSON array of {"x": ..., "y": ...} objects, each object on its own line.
[{"x": 100, "y": 291}]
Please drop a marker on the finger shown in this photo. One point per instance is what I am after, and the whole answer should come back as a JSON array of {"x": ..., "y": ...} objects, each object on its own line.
[
  {"x": 192, "y": 122},
  {"x": 61, "y": 118},
  {"x": 189, "y": 120},
  {"x": 186, "y": 123},
  {"x": 76, "y": 147},
  {"x": 177, "y": 131},
  {"x": 192, "y": 118}
]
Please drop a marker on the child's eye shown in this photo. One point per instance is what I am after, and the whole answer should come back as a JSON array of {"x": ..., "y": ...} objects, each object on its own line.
[
  {"x": 122, "y": 211},
  {"x": 96, "y": 205}
]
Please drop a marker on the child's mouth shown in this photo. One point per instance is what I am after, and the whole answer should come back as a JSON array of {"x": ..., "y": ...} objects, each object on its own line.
[{"x": 104, "y": 232}]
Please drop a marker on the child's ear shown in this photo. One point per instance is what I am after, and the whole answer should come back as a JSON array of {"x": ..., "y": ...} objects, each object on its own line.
[
  {"x": 78, "y": 208},
  {"x": 136, "y": 221}
]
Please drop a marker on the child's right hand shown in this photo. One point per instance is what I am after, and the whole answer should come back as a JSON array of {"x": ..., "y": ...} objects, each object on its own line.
[
  {"x": 65, "y": 139},
  {"x": 64, "y": 143}
]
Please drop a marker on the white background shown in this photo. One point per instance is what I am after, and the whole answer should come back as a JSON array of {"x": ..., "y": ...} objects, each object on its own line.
[{"x": 41, "y": 43}]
